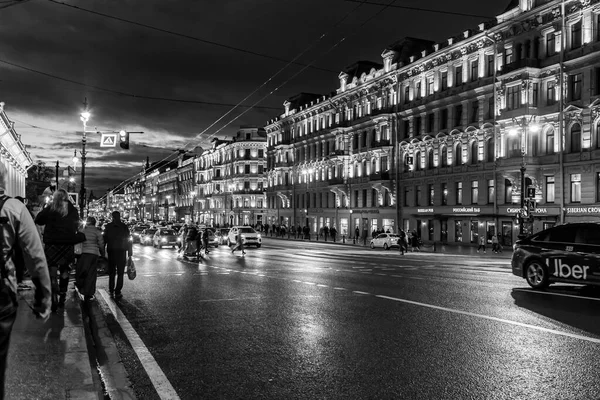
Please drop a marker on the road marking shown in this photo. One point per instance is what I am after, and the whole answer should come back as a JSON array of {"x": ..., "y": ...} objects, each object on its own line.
[
  {"x": 490, "y": 318},
  {"x": 339, "y": 288},
  {"x": 161, "y": 384},
  {"x": 558, "y": 294},
  {"x": 359, "y": 292},
  {"x": 321, "y": 285}
]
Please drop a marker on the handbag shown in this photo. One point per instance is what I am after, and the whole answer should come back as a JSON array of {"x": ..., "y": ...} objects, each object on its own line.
[
  {"x": 131, "y": 272},
  {"x": 78, "y": 249}
]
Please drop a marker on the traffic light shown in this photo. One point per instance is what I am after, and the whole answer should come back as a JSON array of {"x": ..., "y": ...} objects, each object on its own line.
[
  {"x": 124, "y": 140},
  {"x": 409, "y": 160},
  {"x": 531, "y": 192}
]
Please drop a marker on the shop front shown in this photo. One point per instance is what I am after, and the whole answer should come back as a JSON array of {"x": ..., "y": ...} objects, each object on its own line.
[
  {"x": 543, "y": 217},
  {"x": 583, "y": 213}
]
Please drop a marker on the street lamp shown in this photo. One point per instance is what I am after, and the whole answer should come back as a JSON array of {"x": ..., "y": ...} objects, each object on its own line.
[
  {"x": 153, "y": 204},
  {"x": 523, "y": 126},
  {"x": 84, "y": 116},
  {"x": 168, "y": 200}
]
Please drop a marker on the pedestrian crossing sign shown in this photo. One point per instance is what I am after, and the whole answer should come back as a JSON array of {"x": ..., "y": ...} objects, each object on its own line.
[{"x": 108, "y": 140}]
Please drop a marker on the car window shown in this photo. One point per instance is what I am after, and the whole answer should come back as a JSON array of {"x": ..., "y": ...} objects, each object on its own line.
[
  {"x": 247, "y": 230},
  {"x": 563, "y": 234},
  {"x": 167, "y": 232},
  {"x": 589, "y": 234},
  {"x": 381, "y": 236}
]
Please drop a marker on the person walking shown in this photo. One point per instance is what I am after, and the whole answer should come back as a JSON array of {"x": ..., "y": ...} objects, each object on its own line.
[
  {"x": 16, "y": 225},
  {"x": 356, "y": 233},
  {"x": 61, "y": 223},
  {"x": 118, "y": 250},
  {"x": 205, "y": 236},
  {"x": 333, "y": 233},
  {"x": 495, "y": 243},
  {"x": 86, "y": 271},
  {"x": 325, "y": 232},
  {"x": 481, "y": 244},
  {"x": 239, "y": 244},
  {"x": 402, "y": 244}
]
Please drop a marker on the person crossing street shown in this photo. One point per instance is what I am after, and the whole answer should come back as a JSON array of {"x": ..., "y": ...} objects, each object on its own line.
[{"x": 239, "y": 244}]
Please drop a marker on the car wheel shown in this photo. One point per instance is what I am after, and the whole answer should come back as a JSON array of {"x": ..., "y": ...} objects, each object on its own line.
[
  {"x": 258, "y": 246},
  {"x": 385, "y": 246},
  {"x": 216, "y": 245},
  {"x": 372, "y": 245},
  {"x": 536, "y": 274}
]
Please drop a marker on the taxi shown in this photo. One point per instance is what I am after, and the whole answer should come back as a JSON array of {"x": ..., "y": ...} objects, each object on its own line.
[
  {"x": 385, "y": 240},
  {"x": 567, "y": 253}
]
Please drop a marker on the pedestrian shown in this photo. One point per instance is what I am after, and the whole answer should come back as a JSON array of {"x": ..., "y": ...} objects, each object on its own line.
[
  {"x": 495, "y": 243},
  {"x": 205, "y": 241},
  {"x": 16, "y": 224},
  {"x": 325, "y": 232},
  {"x": 402, "y": 242},
  {"x": 481, "y": 244},
  {"x": 356, "y": 233},
  {"x": 61, "y": 223},
  {"x": 415, "y": 242},
  {"x": 86, "y": 271},
  {"x": 333, "y": 233},
  {"x": 239, "y": 244},
  {"x": 306, "y": 231},
  {"x": 118, "y": 250}
]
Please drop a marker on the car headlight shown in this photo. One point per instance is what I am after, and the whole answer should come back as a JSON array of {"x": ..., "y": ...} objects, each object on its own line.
[
  {"x": 243, "y": 236},
  {"x": 130, "y": 239},
  {"x": 163, "y": 239},
  {"x": 258, "y": 236},
  {"x": 179, "y": 239},
  {"x": 136, "y": 234}
]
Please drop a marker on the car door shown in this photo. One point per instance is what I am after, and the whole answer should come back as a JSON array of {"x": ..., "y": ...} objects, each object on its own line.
[
  {"x": 560, "y": 254},
  {"x": 587, "y": 248}
]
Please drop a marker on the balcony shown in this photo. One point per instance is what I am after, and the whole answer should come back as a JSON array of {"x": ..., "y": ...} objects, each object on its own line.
[
  {"x": 248, "y": 191},
  {"x": 336, "y": 181},
  {"x": 381, "y": 143},
  {"x": 523, "y": 63},
  {"x": 337, "y": 153},
  {"x": 380, "y": 176},
  {"x": 282, "y": 164}
]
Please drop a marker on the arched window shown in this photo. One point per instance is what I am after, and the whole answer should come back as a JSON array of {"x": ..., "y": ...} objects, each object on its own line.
[
  {"x": 430, "y": 159},
  {"x": 598, "y": 134},
  {"x": 458, "y": 154},
  {"x": 417, "y": 160},
  {"x": 575, "y": 138},
  {"x": 444, "y": 156},
  {"x": 405, "y": 166},
  {"x": 474, "y": 152},
  {"x": 513, "y": 145},
  {"x": 507, "y": 191},
  {"x": 491, "y": 150}
]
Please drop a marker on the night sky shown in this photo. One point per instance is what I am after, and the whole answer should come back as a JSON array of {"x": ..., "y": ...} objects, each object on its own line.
[{"x": 177, "y": 68}]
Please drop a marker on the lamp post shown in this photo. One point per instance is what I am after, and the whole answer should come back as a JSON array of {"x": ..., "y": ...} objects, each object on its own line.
[
  {"x": 153, "y": 204},
  {"x": 84, "y": 116},
  {"x": 192, "y": 206},
  {"x": 522, "y": 127},
  {"x": 168, "y": 200}
]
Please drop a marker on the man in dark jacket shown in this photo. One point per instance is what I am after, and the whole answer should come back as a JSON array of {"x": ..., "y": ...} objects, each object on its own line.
[{"x": 116, "y": 237}]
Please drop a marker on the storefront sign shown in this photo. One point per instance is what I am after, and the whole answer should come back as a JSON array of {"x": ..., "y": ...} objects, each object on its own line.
[
  {"x": 466, "y": 210},
  {"x": 537, "y": 211},
  {"x": 424, "y": 210},
  {"x": 583, "y": 210}
]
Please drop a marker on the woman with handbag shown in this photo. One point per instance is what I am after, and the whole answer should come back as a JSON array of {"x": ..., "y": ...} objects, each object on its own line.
[
  {"x": 60, "y": 235},
  {"x": 86, "y": 271}
]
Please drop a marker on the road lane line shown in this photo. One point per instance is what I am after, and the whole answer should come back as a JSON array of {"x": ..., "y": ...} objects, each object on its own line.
[
  {"x": 161, "y": 384},
  {"x": 359, "y": 292},
  {"x": 490, "y": 318},
  {"x": 557, "y": 294}
]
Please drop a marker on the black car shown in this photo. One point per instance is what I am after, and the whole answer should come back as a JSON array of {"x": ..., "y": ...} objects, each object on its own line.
[{"x": 567, "y": 253}]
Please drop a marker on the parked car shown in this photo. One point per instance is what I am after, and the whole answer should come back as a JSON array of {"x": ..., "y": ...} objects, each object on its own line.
[
  {"x": 249, "y": 236},
  {"x": 147, "y": 236},
  {"x": 164, "y": 237},
  {"x": 567, "y": 253},
  {"x": 385, "y": 240},
  {"x": 221, "y": 235}
]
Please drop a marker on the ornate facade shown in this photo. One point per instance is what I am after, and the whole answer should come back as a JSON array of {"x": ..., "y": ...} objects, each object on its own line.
[
  {"x": 433, "y": 140},
  {"x": 14, "y": 156}
]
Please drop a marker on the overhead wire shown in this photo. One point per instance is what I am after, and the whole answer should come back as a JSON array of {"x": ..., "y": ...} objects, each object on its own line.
[
  {"x": 460, "y": 14},
  {"x": 185, "y": 35}
]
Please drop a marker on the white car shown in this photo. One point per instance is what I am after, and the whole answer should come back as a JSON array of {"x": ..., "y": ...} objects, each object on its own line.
[
  {"x": 249, "y": 236},
  {"x": 385, "y": 240}
]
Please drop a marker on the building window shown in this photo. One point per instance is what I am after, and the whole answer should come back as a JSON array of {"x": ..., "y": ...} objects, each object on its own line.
[
  {"x": 430, "y": 159},
  {"x": 576, "y": 37},
  {"x": 458, "y": 155},
  {"x": 406, "y": 191},
  {"x": 444, "y": 156},
  {"x": 550, "y": 189},
  {"x": 491, "y": 192},
  {"x": 550, "y": 93},
  {"x": 444, "y": 80},
  {"x": 534, "y": 95},
  {"x": 444, "y": 119},
  {"x": 491, "y": 150},
  {"x": 458, "y": 231},
  {"x": 418, "y": 195},
  {"x": 474, "y": 70},
  {"x": 459, "y": 193},
  {"x": 576, "y": 138},
  {"x": 490, "y": 64},
  {"x": 508, "y": 191},
  {"x": 508, "y": 56},
  {"x": 597, "y": 186},
  {"x": 513, "y": 97},
  {"x": 575, "y": 188},
  {"x": 474, "y": 151},
  {"x": 575, "y": 82},
  {"x": 417, "y": 123},
  {"x": 444, "y": 194},
  {"x": 458, "y": 75},
  {"x": 430, "y": 122},
  {"x": 475, "y": 111},
  {"x": 550, "y": 141},
  {"x": 431, "y": 194},
  {"x": 474, "y": 192},
  {"x": 458, "y": 115},
  {"x": 418, "y": 90},
  {"x": 491, "y": 106},
  {"x": 429, "y": 87},
  {"x": 551, "y": 44}
]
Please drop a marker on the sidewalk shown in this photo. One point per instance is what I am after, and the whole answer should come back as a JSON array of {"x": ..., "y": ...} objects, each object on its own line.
[
  {"x": 448, "y": 248},
  {"x": 50, "y": 360}
]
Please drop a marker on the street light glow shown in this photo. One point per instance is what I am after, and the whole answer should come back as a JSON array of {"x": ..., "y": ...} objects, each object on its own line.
[
  {"x": 513, "y": 131},
  {"x": 534, "y": 128}
]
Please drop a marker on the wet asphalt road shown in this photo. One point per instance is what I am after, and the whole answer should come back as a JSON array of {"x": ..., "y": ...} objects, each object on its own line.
[{"x": 295, "y": 320}]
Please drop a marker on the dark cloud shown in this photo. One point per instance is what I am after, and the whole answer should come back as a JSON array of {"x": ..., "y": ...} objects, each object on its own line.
[{"x": 109, "y": 54}]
